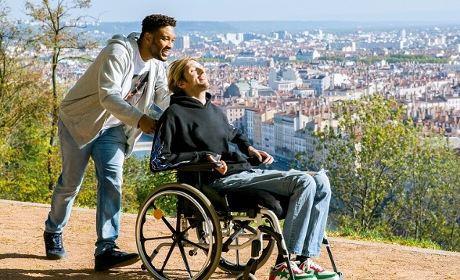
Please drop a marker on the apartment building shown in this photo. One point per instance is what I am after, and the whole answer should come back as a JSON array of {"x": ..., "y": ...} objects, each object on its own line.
[
  {"x": 268, "y": 137},
  {"x": 236, "y": 114},
  {"x": 182, "y": 42},
  {"x": 319, "y": 82},
  {"x": 254, "y": 124},
  {"x": 286, "y": 125}
]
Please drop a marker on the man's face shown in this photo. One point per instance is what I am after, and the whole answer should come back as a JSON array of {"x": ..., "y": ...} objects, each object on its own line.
[
  {"x": 195, "y": 77},
  {"x": 162, "y": 43}
]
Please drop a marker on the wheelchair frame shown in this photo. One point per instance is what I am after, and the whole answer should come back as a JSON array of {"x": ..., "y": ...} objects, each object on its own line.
[{"x": 210, "y": 232}]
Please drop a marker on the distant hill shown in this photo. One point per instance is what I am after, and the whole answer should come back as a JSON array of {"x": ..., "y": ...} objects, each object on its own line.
[{"x": 187, "y": 27}]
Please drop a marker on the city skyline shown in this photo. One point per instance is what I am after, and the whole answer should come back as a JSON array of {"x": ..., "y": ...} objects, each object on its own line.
[{"x": 269, "y": 10}]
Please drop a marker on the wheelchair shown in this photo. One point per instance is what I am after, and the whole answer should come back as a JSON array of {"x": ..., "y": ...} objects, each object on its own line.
[{"x": 186, "y": 230}]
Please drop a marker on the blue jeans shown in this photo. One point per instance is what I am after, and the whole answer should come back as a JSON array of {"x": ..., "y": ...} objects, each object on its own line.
[
  {"x": 308, "y": 209},
  {"x": 107, "y": 150}
]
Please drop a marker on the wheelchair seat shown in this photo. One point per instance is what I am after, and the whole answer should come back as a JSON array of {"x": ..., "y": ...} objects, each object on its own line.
[
  {"x": 235, "y": 200},
  {"x": 247, "y": 200}
]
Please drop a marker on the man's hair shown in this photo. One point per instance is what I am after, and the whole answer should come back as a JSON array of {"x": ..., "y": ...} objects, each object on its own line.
[
  {"x": 176, "y": 73},
  {"x": 152, "y": 23}
]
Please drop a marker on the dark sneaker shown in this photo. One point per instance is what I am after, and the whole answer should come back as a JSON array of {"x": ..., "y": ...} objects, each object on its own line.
[
  {"x": 53, "y": 246},
  {"x": 114, "y": 258}
]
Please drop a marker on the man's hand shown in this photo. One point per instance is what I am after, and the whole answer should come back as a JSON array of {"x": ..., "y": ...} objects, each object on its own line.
[
  {"x": 147, "y": 124},
  {"x": 262, "y": 156},
  {"x": 223, "y": 166}
]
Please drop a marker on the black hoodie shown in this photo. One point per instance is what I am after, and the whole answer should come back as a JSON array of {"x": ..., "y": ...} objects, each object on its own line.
[{"x": 188, "y": 131}]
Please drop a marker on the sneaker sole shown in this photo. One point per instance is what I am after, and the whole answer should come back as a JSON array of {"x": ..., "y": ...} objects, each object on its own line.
[
  {"x": 55, "y": 256},
  {"x": 125, "y": 263}
]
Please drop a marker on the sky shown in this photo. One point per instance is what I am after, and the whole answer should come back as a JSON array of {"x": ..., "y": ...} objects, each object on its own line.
[{"x": 266, "y": 10}]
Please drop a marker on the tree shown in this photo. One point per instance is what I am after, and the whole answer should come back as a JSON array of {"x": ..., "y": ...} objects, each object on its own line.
[
  {"x": 57, "y": 32},
  {"x": 390, "y": 176},
  {"x": 367, "y": 160},
  {"x": 23, "y": 111},
  {"x": 16, "y": 107},
  {"x": 431, "y": 207}
]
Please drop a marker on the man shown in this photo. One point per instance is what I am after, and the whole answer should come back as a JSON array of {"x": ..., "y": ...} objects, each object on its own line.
[
  {"x": 102, "y": 116},
  {"x": 193, "y": 130}
]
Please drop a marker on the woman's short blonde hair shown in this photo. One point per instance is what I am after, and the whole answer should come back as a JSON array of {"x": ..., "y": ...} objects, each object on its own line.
[{"x": 176, "y": 73}]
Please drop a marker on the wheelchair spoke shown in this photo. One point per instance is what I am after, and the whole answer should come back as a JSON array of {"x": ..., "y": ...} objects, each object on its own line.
[
  {"x": 168, "y": 225},
  {"x": 163, "y": 218},
  {"x": 184, "y": 258},
  {"x": 168, "y": 256},
  {"x": 198, "y": 245},
  {"x": 160, "y": 237}
]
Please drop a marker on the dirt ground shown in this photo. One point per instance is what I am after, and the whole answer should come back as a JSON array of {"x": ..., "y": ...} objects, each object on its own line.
[{"x": 22, "y": 252}]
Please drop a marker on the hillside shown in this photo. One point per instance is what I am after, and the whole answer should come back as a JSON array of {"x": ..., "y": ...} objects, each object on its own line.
[
  {"x": 213, "y": 27},
  {"x": 22, "y": 252}
]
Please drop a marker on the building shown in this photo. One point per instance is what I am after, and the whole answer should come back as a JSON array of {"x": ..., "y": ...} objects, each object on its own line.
[
  {"x": 268, "y": 136},
  {"x": 248, "y": 89},
  {"x": 319, "y": 82},
  {"x": 286, "y": 125},
  {"x": 244, "y": 61},
  {"x": 285, "y": 79},
  {"x": 236, "y": 115},
  {"x": 307, "y": 55},
  {"x": 182, "y": 42},
  {"x": 255, "y": 118}
]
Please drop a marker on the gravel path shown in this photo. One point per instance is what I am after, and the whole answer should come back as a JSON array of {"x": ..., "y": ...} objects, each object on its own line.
[{"x": 22, "y": 252}]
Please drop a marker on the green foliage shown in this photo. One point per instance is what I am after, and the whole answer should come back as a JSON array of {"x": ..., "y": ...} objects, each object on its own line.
[
  {"x": 430, "y": 206},
  {"x": 57, "y": 31},
  {"x": 399, "y": 58},
  {"x": 366, "y": 158},
  {"x": 23, "y": 172},
  {"x": 385, "y": 238},
  {"x": 22, "y": 116},
  {"x": 139, "y": 182},
  {"x": 333, "y": 58},
  {"x": 389, "y": 178}
]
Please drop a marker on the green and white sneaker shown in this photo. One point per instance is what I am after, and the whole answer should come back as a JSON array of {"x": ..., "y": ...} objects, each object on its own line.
[
  {"x": 309, "y": 266},
  {"x": 281, "y": 271}
]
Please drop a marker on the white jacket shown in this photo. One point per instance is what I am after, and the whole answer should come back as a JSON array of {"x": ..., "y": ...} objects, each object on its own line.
[{"x": 98, "y": 93}]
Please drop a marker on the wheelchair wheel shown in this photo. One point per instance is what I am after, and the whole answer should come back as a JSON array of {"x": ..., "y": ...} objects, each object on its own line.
[
  {"x": 166, "y": 232},
  {"x": 238, "y": 239},
  {"x": 235, "y": 261}
]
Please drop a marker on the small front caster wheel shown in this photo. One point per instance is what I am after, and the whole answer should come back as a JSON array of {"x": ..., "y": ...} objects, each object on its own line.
[{"x": 250, "y": 277}]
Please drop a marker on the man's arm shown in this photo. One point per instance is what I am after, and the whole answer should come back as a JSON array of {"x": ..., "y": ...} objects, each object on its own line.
[{"x": 113, "y": 71}]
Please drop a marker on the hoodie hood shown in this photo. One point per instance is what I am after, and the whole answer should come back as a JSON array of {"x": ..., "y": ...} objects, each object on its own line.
[
  {"x": 189, "y": 102},
  {"x": 126, "y": 41}
]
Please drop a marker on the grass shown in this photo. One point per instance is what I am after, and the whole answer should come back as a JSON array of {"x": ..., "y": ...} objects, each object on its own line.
[{"x": 387, "y": 239}]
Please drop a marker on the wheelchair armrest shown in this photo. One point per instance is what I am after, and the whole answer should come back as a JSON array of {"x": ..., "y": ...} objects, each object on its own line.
[{"x": 202, "y": 166}]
